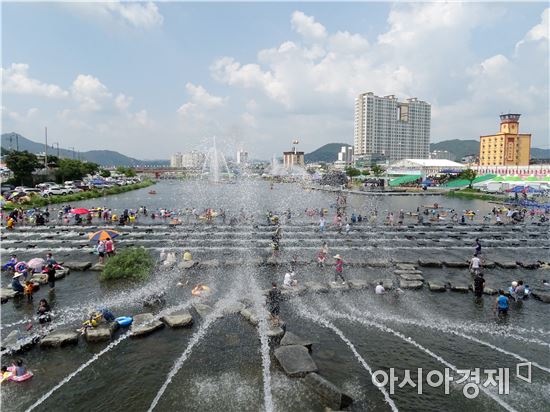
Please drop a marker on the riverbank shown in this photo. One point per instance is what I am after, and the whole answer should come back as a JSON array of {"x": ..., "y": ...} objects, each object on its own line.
[
  {"x": 38, "y": 201},
  {"x": 474, "y": 194}
]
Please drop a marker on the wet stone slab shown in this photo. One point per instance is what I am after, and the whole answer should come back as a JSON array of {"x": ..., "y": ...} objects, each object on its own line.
[
  {"x": 316, "y": 287},
  {"x": 144, "y": 324},
  {"x": 292, "y": 339},
  {"x": 295, "y": 360},
  {"x": 178, "y": 319},
  {"x": 81, "y": 266},
  {"x": 60, "y": 338},
  {"x": 437, "y": 287},
  {"x": 410, "y": 284},
  {"x": 334, "y": 398},
  {"x": 358, "y": 284},
  {"x": 100, "y": 333}
]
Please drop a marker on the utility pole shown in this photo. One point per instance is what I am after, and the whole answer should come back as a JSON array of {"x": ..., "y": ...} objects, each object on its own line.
[
  {"x": 57, "y": 144},
  {"x": 46, "y": 148}
]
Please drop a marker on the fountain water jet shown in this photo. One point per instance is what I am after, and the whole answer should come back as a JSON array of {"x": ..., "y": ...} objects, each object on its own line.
[
  {"x": 101, "y": 353},
  {"x": 419, "y": 346},
  {"x": 454, "y": 332},
  {"x": 302, "y": 311}
]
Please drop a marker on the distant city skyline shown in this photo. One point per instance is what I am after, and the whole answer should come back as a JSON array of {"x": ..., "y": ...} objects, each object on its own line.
[{"x": 152, "y": 79}]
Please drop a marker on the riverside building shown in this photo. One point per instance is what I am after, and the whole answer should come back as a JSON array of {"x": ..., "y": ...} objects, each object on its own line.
[{"x": 391, "y": 130}]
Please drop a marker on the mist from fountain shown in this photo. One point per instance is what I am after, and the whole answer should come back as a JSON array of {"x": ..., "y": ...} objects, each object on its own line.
[{"x": 214, "y": 160}]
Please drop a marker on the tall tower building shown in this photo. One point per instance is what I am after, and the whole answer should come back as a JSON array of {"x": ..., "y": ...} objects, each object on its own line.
[
  {"x": 391, "y": 130},
  {"x": 507, "y": 147}
]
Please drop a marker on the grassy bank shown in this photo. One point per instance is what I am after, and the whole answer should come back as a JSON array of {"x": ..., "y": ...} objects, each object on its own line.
[
  {"x": 473, "y": 194},
  {"x": 38, "y": 201}
]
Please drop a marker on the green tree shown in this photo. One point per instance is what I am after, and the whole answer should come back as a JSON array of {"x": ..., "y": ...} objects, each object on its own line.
[
  {"x": 126, "y": 171},
  {"x": 133, "y": 263},
  {"x": 71, "y": 169},
  {"x": 365, "y": 172},
  {"x": 377, "y": 170},
  {"x": 22, "y": 164},
  {"x": 104, "y": 173},
  {"x": 352, "y": 172},
  {"x": 469, "y": 175}
]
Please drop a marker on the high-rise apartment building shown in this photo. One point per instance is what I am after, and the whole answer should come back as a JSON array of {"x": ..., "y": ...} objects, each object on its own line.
[
  {"x": 388, "y": 129},
  {"x": 242, "y": 157},
  {"x": 507, "y": 147},
  {"x": 188, "y": 160}
]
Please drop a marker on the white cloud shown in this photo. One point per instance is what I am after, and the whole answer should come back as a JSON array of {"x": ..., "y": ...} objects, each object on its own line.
[
  {"x": 199, "y": 99},
  {"x": 426, "y": 52},
  {"x": 15, "y": 79},
  {"x": 539, "y": 31},
  {"x": 139, "y": 15},
  {"x": 122, "y": 102},
  {"x": 19, "y": 117},
  {"x": 89, "y": 92},
  {"x": 307, "y": 26}
]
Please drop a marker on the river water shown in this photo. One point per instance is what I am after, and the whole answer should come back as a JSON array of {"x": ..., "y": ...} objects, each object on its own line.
[{"x": 223, "y": 369}]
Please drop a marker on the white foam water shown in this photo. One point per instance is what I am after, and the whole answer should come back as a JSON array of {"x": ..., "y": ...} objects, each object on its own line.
[
  {"x": 419, "y": 346},
  {"x": 303, "y": 312}
]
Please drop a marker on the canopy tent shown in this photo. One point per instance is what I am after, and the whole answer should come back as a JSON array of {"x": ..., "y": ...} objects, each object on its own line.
[
  {"x": 404, "y": 179},
  {"x": 464, "y": 182}
]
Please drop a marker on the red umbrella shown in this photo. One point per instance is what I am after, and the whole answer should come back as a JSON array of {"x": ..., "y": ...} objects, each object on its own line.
[{"x": 80, "y": 211}]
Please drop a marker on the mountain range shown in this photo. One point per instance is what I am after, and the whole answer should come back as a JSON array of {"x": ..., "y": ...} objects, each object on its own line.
[
  {"x": 457, "y": 148},
  {"x": 105, "y": 158},
  {"x": 460, "y": 148}
]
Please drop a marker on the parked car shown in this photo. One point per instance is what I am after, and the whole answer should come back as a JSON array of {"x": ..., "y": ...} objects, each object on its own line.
[
  {"x": 60, "y": 190},
  {"x": 73, "y": 189},
  {"x": 45, "y": 185},
  {"x": 7, "y": 188},
  {"x": 27, "y": 190}
]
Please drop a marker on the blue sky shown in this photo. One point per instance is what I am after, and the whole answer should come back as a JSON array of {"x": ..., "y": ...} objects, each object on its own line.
[{"x": 149, "y": 79}]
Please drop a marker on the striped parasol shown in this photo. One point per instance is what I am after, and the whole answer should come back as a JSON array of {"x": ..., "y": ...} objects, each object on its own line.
[{"x": 103, "y": 235}]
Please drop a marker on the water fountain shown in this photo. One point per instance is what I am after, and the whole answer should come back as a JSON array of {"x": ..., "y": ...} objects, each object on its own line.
[
  {"x": 364, "y": 331},
  {"x": 214, "y": 164}
]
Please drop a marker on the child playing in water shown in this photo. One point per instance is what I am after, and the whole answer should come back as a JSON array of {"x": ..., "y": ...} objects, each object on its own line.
[
  {"x": 5, "y": 374},
  {"x": 29, "y": 287}
]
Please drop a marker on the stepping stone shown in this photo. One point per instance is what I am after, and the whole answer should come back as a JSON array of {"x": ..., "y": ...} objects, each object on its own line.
[
  {"x": 17, "y": 341},
  {"x": 407, "y": 272},
  {"x": 60, "y": 338},
  {"x": 430, "y": 263},
  {"x": 489, "y": 264},
  {"x": 100, "y": 333},
  {"x": 507, "y": 265},
  {"x": 295, "y": 360},
  {"x": 60, "y": 274},
  {"x": 98, "y": 267},
  {"x": 78, "y": 265},
  {"x": 232, "y": 308},
  {"x": 541, "y": 295},
  {"x": 333, "y": 397},
  {"x": 405, "y": 266},
  {"x": 275, "y": 332},
  {"x": 437, "y": 287},
  {"x": 291, "y": 339},
  {"x": 529, "y": 264},
  {"x": 251, "y": 316},
  {"x": 338, "y": 286},
  {"x": 144, "y": 324},
  {"x": 178, "y": 319},
  {"x": 378, "y": 263},
  {"x": 316, "y": 287},
  {"x": 410, "y": 284},
  {"x": 40, "y": 278},
  {"x": 188, "y": 264},
  {"x": 358, "y": 284},
  {"x": 202, "y": 309},
  {"x": 6, "y": 293},
  {"x": 456, "y": 264},
  {"x": 412, "y": 276},
  {"x": 460, "y": 288},
  {"x": 489, "y": 291}
]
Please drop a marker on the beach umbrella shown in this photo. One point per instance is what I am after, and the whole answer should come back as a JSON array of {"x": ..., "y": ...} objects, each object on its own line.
[
  {"x": 20, "y": 266},
  {"x": 36, "y": 263},
  {"x": 80, "y": 211},
  {"x": 103, "y": 235}
]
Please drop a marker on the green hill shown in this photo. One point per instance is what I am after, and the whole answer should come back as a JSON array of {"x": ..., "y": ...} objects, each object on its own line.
[
  {"x": 326, "y": 153},
  {"x": 102, "y": 157},
  {"x": 461, "y": 148}
]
